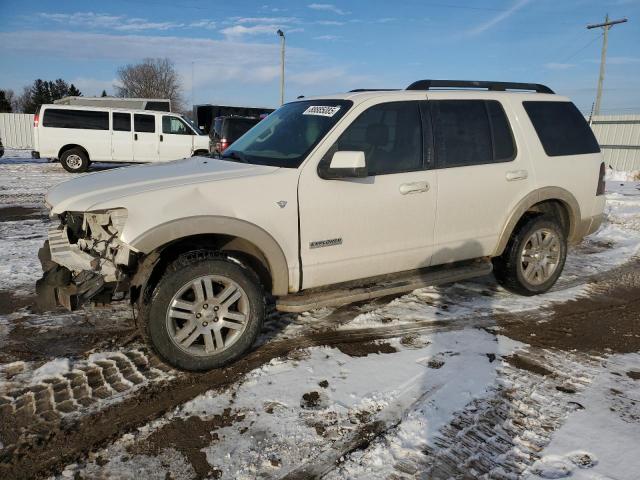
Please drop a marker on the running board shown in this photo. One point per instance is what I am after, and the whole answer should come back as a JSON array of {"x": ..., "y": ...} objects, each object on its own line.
[{"x": 350, "y": 292}]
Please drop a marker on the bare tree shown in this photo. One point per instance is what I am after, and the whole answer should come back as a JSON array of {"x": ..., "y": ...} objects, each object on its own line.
[{"x": 152, "y": 78}]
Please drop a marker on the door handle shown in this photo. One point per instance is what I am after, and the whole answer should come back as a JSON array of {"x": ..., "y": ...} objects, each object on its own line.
[
  {"x": 160, "y": 137},
  {"x": 414, "y": 187},
  {"x": 517, "y": 175},
  {"x": 135, "y": 136}
]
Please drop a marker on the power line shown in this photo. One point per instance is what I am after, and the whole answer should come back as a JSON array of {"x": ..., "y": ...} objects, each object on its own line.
[{"x": 584, "y": 47}]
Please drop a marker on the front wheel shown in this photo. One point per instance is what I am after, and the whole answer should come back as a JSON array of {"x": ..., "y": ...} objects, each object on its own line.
[
  {"x": 534, "y": 257},
  {"x": 205, "y": 311}
]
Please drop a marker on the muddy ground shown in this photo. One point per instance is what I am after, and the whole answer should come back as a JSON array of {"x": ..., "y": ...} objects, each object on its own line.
[{"x": 606, "y": 321}]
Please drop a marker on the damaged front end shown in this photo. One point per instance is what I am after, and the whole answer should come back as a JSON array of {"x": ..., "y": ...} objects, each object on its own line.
[{"x": 84, "y": 260}]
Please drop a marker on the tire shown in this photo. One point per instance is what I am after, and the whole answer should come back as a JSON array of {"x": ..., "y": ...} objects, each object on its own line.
[
  {"x": 546, "y": 243},
  {"x": 181, "y": 324},
  {"x": 75, "y": 160}
]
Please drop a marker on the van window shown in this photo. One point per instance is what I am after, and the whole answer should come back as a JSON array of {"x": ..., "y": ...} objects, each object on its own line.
[
  {"x": 122, "y": 122},
  {"x": 158, "y": 106},
  {"x": 144, "y": 123},
  {"x": 470, "y": 132},
  {"x": 174, "y": 126},
  {"x": 561, "y": 128},
  {"x": 389, "y": 134},
  {"x": 82, "y": 119}
]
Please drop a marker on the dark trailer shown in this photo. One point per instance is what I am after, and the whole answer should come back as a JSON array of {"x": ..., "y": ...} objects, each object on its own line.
[{"x": 205, "y": 115}]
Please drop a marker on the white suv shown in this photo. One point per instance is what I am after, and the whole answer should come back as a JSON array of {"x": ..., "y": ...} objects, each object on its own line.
[{"x": 331, "y": 200}]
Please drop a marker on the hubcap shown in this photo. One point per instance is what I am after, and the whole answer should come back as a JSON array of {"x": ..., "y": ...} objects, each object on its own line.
[
  {"x": 540, "y": 256},
  {"x": 74, "y": 161},
  {"x": 207, "y": 315}
]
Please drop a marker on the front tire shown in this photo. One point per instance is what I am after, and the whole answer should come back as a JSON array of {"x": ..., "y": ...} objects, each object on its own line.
[
  {"x": 205, "y": 311},
  {"x": 75, "y": 160},
  {"x": 534, "y": 257}
]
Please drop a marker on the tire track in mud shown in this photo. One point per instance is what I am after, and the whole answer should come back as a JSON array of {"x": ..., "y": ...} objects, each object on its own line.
[{"x": 43, "y": 448}]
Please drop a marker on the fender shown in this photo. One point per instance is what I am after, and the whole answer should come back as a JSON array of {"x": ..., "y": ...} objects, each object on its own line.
[
  {"x": 537, "y": 196},
  {"x": 203, "y": 224}
]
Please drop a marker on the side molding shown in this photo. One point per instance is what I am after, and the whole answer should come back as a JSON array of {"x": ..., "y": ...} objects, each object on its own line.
[
  {"x": 204, "y": 224},
  {"x": 537, "y": 196}
]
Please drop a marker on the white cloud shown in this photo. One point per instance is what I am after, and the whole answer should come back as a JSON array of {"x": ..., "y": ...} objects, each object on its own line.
[
  {"x": 329, "y": 23},
  {"x": 122, "y": 23},
  {"x": 499, "y": 18},
  {"x": 272, "y": 20},
  {"x": 327, "y": 37},
  {"x": 559, "y": 66},
  {"x": 327, "y": 7}
]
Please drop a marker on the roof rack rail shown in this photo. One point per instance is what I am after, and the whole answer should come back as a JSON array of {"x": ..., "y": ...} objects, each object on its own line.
[
  {"x": 356, "y": 90},
  {"x": 494, "y": 86}
]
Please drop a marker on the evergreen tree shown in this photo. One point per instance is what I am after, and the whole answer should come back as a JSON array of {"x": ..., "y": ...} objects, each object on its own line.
[
  {"x": 73, "y": 91},
  {"x": 104, "y": 93},
  {"x": 5, "y": 105}
]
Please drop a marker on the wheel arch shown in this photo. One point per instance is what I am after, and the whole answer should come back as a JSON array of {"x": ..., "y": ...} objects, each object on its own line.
[
  {"x": 555, "y": 200},
  {"x": 70, "y": 146},
  {"x": 245, "y": 241}
]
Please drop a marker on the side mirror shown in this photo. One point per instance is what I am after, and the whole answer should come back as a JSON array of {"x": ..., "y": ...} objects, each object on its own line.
[{"x": 346, "y": 164}]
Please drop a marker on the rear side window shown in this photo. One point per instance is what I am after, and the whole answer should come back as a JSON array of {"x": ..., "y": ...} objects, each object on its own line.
[
  {"x": 144, "y": 123},
  {"x": 122, "y": 122},
  {"x": 81, "y": 119},
  {"x": 561, "y": 128},
  {"x": 389, "y": 134},
  {"x": 470, "y": 132}
]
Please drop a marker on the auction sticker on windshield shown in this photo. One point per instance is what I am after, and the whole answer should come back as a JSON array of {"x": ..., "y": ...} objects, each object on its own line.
[{"x": 322, "y": 110}]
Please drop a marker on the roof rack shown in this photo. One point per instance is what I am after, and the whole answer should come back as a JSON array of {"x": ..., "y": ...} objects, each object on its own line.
[
  {"x": 494, "y": 86},
  {"x": 373, "y": 90}
]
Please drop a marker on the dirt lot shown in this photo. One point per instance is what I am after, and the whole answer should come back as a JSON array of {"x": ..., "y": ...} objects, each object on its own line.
[{"x": 463, "y": 381}]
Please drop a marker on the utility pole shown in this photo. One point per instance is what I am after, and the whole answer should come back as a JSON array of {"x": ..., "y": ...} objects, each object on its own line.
[
  {"x": 281, "y": 35},
  {"x": 603, "y": 58}
]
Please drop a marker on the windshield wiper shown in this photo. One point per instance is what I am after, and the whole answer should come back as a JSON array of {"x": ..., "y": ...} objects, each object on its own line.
[{"x": 234, "y": 155}]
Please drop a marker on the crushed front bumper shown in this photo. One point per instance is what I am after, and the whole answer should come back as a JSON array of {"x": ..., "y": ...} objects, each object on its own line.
[{"x": 73, "y": 277}]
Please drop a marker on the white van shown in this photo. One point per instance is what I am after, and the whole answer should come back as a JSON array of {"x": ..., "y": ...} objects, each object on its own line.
[{"x": 78, "y": 136}]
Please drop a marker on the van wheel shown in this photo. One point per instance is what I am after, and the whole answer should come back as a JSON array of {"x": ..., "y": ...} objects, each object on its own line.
[
  {"x": 74, "y": 160},
  {"x": 534, "y": 257},
  {"x": 205, "y": 311}
]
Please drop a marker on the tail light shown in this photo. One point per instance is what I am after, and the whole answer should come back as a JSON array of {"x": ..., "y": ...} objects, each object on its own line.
[
  {"x": 223, "y": 144},
  {"x": 36, "y": 119},
  {"x": 601, "y": 182}
]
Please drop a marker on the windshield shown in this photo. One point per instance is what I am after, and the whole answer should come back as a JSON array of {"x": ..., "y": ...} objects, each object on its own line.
[
  {"x": 286, "y": 136},
  {"x": 193, "y": 124}
]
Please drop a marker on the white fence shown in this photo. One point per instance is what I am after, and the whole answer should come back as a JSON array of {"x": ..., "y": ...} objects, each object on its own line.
[
  {"x": 16, "y": 130},
  {"x": 619, "y": 139}
]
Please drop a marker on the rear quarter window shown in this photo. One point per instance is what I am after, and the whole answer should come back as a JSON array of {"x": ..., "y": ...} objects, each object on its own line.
[
  {"x": 561, "y": 128},
  {"x": 81, "y": 119}
]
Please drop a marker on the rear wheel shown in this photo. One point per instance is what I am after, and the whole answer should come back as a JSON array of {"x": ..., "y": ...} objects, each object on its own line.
[
  {"x": 75, "y": 160},
  {"x": 206, "y": 311},
  {"x": 534, "y": 257}
]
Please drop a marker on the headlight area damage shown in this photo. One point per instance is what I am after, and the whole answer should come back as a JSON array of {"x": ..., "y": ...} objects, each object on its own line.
[{"x": 84, "y": 260}]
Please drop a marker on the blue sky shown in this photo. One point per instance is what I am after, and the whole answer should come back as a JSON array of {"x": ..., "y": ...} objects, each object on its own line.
[{"x": 233, "y": 51}]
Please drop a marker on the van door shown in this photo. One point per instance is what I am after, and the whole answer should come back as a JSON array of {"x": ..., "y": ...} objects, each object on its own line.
[
  {"x": 176, "y": 139},
  {"x": 481, "y": 176},
  {"x": 121, "y": 137},
  {"x": 145, "y": 138},
  {"x": 354, "y": 228}
]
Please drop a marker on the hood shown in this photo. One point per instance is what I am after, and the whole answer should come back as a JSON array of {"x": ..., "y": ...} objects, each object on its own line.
[{"x": 88, "y": 191}]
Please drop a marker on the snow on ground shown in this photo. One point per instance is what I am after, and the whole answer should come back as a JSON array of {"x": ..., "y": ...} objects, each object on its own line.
[
  {"x": 600, "y": 441},
  {"x": 291, "y": 410}
]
